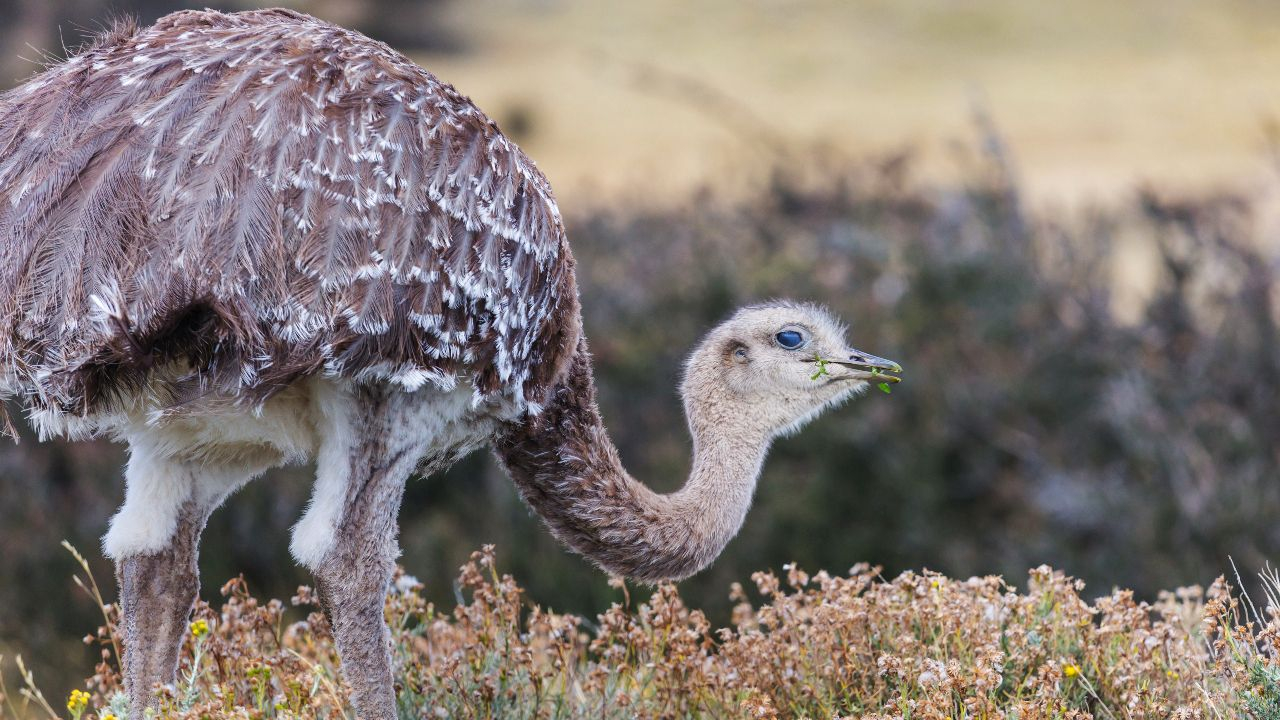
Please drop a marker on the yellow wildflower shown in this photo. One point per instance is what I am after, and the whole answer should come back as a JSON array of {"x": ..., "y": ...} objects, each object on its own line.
[
  {"x": 199, "y": 628},
  {"x": 108, "y": 716},
  {"x": 1070, "y": 670},
  {"x": 78, "y": 701}
]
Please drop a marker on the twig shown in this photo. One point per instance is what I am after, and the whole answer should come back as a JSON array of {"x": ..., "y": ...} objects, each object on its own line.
[
  {"x": 96, "y": 593},
  {"x": 31, "y": 692}
]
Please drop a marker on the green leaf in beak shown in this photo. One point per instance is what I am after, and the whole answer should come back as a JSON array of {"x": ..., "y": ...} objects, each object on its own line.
[{"x": 822, "y": 369}]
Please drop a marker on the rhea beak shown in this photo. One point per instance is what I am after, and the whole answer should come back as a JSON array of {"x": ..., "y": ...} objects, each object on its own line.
[{"x": 869, "y": 367}]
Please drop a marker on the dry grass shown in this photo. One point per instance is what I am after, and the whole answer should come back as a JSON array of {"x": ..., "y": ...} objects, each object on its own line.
[{"x": 820, "y": 646}]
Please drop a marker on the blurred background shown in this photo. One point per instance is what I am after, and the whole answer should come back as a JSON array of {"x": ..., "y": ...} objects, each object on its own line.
[{"x": 1060, "y": 218}]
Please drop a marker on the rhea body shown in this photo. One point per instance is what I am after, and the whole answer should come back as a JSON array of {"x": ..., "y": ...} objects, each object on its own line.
[{"x": 235, "y": 241}]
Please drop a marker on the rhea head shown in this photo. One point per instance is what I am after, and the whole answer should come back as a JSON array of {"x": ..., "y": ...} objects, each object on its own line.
[{"x": 771, "y": 368}]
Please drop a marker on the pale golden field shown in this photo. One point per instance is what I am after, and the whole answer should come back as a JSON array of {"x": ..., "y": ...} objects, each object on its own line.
[{"x": 644, "y": 101}]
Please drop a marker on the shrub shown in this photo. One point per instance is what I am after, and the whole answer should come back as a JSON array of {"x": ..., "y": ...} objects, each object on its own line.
[{"x": 918, "y": 646}]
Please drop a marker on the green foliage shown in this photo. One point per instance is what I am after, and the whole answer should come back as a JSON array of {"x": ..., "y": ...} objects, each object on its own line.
[{"x": 1262, "y": 699}]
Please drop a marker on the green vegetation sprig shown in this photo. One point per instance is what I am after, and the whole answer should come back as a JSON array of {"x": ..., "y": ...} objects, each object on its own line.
[
  {"x": 822, "y": 370},
  {"x": 884, "y": 386}
]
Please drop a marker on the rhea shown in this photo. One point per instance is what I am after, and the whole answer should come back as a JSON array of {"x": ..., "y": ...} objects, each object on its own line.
[{"x": 234, "y": 241}]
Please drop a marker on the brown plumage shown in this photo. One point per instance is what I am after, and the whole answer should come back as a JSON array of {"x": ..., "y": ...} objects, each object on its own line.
[
  {"x": 265, "y": 196},
  {"x": 238, "y": 241}
]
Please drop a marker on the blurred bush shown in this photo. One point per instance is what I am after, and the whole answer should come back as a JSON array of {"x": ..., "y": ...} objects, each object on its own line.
[
  {"x": 1040, "y": 421},
  {"x": 1035, "y": 425}
]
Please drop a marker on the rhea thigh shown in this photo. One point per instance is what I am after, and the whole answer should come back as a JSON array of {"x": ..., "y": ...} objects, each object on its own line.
[
  {"x": 370, "y": 439},
  {"x": 159, "y": 488},
  {"x": 154, "y": 539}
]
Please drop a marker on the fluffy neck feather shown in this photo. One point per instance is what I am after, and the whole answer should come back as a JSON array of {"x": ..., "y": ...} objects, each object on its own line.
[{"x": 567, "y": 469}]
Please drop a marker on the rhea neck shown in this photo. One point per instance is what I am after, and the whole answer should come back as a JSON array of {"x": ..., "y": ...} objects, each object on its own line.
[
  {"x": 567, "y": 469},
  {"x": 729, "y": 448}
]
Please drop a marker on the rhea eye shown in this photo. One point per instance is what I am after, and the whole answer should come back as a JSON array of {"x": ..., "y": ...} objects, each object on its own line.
[{"x": 789, "y": 339}]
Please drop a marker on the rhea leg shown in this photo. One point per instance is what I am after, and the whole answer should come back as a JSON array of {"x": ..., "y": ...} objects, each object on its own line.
[
  {"x": 154, "y": 539},
  {"x": 348, "y": 538},
  {"x": 353, "y": 582},
  {"x": 157, "y": 592}
]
